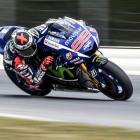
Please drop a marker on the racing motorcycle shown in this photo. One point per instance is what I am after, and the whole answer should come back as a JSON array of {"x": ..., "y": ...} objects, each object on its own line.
[{"x": 79, "y": 65}]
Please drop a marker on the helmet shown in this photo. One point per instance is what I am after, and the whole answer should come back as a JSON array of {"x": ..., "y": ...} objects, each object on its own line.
[{"x": 24, "y": 43}]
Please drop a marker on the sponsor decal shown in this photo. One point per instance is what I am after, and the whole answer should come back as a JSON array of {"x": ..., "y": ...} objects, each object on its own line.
[
  {"x": 92, "y": 30},
  {"x": 54, "y": 39},
  {"x": 87, "y": 45},
  {"x": 74, "y": 60},
  {"x": 79, "y": 62},
  {"x": 42, "y": 27},
  {"x": 79, "y": 41},
  {"x": 101, "y": 60},
  {"x": 40, "y": 74},
  {"x": 93, "y": 73},
  {"x": 51, "y": 44},
  {"x": 69, "y": 56},
  {"x": 75, "y": 33}
]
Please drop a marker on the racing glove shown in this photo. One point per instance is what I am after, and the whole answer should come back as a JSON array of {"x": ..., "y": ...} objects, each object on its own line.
[
  {"x": 43, "y": 68},
  {"x": 48, "y": 61}
]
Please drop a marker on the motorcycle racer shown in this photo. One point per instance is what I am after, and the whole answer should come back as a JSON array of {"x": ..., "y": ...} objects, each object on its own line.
[
  {"x": 61, "y": 54},
  {"x": 22, "y": 50}
]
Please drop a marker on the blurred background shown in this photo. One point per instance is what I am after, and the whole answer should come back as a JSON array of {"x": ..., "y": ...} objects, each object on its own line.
[
  {"x": 117, "y": 21},
  {"x": 118, "y": 24}
]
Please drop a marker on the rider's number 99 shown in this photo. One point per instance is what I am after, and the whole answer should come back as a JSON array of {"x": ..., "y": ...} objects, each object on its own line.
[{"x": 79, "y": 42}]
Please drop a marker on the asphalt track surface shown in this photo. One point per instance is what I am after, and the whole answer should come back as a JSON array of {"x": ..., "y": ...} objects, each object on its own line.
[{"x": 96, "y": 109}]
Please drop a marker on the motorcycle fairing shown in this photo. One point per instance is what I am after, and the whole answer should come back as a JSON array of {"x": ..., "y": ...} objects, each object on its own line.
[
  {"x": 64, "y": 46},
  {"x": 62, "y": 72},
  {"x": 50, "y": 45},
  {"x": 63, "y": 27},
  {"x": 94, "y": 33},
  {"x": 77, "y": 24}
]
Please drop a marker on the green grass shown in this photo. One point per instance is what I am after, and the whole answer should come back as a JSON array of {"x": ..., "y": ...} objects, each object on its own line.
[{"x": 18, "y": 129}]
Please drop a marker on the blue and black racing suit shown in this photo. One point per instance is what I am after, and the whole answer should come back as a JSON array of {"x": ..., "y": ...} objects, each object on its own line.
[{"x": 33, "y": 74}]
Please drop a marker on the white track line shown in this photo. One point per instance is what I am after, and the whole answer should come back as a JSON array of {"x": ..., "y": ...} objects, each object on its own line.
[
  {"x": 128, "y": 124},
  {"x": 28, "y": 117}
]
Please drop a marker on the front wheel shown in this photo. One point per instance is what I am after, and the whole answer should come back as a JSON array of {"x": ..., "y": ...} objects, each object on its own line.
[{"x": 118, "y": 84}]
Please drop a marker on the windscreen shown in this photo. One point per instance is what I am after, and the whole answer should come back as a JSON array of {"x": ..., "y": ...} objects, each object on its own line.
[{"x": 63, "y": 25}]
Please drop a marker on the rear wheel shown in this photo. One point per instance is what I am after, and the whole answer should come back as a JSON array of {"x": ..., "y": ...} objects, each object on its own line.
[
  {"x": 118, "y": 84},
  {"x": 15, "y": 79}
]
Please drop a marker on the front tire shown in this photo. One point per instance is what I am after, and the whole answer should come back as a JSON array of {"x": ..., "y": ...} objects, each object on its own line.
[
  {"x": 13, "y": 76},
  {"x": 116, "y": 79}
]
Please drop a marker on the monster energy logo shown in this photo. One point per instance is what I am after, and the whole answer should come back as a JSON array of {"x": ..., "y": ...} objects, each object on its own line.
[{"x": 101, "y": 60}]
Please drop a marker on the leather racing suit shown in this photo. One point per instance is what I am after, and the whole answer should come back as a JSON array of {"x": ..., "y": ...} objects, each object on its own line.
[{"x": 33, "y": 75}]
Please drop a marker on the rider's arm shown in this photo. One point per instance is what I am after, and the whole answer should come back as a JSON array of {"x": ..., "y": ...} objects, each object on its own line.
[
  {"x": 31, "y": 76},
  {"x": 42, "y": 69},
  {"x": 41, "y": 31}
]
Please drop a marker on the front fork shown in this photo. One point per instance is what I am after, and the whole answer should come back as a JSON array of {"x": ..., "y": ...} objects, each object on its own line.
[{"x": 93, "y": 72}]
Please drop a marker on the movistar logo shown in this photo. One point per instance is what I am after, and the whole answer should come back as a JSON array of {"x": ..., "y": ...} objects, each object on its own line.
[{"x": 75, "y": 33}]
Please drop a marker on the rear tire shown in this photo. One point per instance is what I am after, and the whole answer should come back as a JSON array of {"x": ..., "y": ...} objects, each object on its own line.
[
  {"x": 121, "y": 78},
  {"x": 13, "y": 78}
]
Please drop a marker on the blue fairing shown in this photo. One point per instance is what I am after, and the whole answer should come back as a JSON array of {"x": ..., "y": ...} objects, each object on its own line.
[
  {"x": 72, "y": 39},
  {"x": 76, "y": 45},
  {"x": 3, "y": 38}
]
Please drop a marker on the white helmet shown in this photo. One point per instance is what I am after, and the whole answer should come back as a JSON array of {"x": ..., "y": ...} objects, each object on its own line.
[{"x": 24, "y": 43}]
